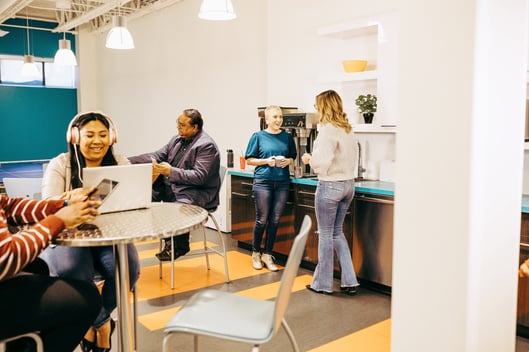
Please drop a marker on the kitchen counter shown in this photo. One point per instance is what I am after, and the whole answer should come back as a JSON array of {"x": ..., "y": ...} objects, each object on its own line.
[
  {"x": 525, "y": 203},
  {"x": 374, "y": 187}
]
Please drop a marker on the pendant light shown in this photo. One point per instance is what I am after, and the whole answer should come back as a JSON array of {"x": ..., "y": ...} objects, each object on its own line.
[
  {"x": 216, "y": 10},
  {"x": 65, "y": 56},
  {"x": 29, "y": 69},
  {"x": 119, "y": 36}
]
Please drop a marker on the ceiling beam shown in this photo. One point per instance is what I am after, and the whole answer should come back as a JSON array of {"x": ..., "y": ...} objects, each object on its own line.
[
  {"x": 89, "y": 15},
  {"x": 9, "y": 8}
]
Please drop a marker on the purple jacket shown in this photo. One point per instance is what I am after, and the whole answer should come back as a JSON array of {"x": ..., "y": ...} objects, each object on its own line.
[{"x": 195, "y": 179}]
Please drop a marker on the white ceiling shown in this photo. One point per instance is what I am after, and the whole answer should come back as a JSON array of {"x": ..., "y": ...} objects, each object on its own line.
[{"x": 72, "y": 14}]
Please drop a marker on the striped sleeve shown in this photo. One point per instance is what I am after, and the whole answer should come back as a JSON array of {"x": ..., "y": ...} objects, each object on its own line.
[{"x": 19, "y": 249}]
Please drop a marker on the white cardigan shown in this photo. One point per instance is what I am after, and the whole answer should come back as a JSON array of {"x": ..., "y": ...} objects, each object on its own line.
[{"x": 56, "y": 179}]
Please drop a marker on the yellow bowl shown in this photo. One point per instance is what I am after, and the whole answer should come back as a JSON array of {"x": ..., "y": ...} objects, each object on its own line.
[{"x": 354, "y": 65}]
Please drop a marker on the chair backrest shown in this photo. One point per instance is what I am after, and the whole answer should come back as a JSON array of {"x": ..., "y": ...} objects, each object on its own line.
[
  {"x": 23, "y": 187},
  {"x": 222, "y": 173},
  {"x": 290, "y": 272}
]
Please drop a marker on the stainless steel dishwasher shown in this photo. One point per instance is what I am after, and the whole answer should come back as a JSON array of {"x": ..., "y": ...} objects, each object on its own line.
[{"x": 373, "y": 239}]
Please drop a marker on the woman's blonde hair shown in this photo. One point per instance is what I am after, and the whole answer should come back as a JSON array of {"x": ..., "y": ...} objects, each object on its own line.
[{"x": 330, "y": 107}]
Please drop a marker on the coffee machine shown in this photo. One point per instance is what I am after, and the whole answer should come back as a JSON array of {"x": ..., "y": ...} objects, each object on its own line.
[{"x": 303, "y": 127}]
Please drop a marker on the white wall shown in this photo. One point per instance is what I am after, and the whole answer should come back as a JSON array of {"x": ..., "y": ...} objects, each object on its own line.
[
  {"x": 180, "y": 62},
  {"x": 224, "y": 69}
]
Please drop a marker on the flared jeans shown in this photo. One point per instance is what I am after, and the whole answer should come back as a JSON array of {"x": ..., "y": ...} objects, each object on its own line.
[{"x": 332, "y": 201}]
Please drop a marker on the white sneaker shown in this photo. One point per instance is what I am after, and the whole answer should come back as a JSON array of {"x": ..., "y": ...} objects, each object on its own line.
[
  {"x": 268, "y": 260},
  {"x": 256, "y": 261}
]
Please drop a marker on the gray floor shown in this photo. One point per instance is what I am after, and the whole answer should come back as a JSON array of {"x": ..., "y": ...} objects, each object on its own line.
[{"x": 314, "y": 319}]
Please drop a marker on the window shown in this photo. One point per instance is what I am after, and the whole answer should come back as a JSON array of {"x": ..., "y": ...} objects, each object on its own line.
[{"x": 50, "y": 75}]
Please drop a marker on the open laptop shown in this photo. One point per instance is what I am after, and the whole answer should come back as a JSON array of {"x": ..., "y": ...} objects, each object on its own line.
[
  {"x": 23, "y": 187},
  {"x": 122, "y": 187}
]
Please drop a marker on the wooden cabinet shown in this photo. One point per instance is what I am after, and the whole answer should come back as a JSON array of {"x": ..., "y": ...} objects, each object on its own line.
[
  {"x": 304, "y": 205},
  {"x": 522, "y": 316},
  {"x": 243, "y": 218}
]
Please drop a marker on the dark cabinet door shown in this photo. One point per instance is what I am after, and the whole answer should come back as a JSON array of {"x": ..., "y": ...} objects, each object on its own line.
[
  {"x": 522, "y": 316},
  {"x": 304, "y": 205},
  {"x": 243, "y": 217}
]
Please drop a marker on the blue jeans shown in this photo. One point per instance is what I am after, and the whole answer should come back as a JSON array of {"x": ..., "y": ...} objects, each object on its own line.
[
  {"x": 270, "y": 199},
  {"x": 83, "y": 263},
  {"x": 332, "y": 201}
]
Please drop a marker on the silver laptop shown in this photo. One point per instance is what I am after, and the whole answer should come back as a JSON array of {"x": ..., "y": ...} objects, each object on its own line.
[
  {"x": 23, "y": 187},
  {"x": 122, "y": 187}
]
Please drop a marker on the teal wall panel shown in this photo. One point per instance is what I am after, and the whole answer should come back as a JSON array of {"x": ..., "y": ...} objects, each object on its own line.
[
  {"x": 42, "y": 43},
  {"x": 33, "y": 121}
]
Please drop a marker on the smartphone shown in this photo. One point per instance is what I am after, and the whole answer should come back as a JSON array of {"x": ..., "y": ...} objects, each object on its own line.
[{"x": 103, "y": 190}]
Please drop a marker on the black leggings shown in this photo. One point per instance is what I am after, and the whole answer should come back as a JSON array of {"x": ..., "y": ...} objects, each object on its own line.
[{"x": 62, "y": 310}]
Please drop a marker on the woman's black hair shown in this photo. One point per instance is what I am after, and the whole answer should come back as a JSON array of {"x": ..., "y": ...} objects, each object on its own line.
[{"x": 77, "y": 160}]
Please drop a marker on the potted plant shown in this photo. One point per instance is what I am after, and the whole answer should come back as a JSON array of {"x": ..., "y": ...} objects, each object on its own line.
[{"x": 367, "y": 106}]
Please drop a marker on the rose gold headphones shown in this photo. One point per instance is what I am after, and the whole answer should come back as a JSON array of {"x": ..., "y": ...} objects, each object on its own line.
[{"x": 73, "y": 135}]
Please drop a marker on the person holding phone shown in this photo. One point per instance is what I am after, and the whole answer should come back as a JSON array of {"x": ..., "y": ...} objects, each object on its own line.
[
  {"x": 90, "y": 136},
  {"x": 185, "y": 170},
  {"x": 60, "y": 309}
]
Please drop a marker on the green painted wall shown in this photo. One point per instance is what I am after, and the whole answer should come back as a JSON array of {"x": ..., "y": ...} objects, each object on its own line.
[{"x": 33, "y": 120}]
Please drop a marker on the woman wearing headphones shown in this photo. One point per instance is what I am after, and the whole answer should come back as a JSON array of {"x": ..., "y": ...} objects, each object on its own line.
[{"x": 90, "y": 137}]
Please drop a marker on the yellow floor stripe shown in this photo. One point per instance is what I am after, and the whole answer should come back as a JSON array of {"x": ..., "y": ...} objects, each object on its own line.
[
  {"x": 158, "y": 320},
  {"x": 375, "y": 338},
  {"x": 192, "y": 274}
]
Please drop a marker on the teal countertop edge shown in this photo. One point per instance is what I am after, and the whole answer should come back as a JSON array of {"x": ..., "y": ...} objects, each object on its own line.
[{"x": 373, "y": 187}]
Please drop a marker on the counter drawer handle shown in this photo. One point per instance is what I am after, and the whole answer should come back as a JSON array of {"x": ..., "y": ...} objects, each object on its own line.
[
  {"x": 240, "y": 194},
  {"x": 524, "y": 245},
  {"x": 375, "y": 200},
  {"x": 306, "y": 193},
  {"x": 306, "y": 206},
  {"x": 246, "y": 184}
]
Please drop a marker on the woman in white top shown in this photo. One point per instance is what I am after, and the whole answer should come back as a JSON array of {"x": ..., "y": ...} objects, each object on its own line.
[
  {"x": 332, "y": 161},
  {"x": 90, "y": 137}
]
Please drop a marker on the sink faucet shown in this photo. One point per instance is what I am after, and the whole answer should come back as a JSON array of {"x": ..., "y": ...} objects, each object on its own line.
[{"x": 361, "y": 168}]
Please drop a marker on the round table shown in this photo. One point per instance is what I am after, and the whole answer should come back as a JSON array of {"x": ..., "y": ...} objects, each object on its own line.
[{"x": 121, "y": 228}]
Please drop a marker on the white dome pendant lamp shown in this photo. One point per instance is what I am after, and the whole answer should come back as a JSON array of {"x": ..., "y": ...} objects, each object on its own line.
[
  {"x": 65, "y": 56},
  {"x": 119, "y": 36},
  {"x": 217, "y": 10}
]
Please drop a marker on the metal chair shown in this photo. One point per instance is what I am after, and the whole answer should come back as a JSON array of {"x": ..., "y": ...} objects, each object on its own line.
[
  {"x": 229, "y": 316},
  {"x": 207, "y": 249},
  {"x": 33, "y": 335}
]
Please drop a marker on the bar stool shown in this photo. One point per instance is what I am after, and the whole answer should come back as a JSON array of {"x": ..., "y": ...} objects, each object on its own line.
[
  {"x": 207, "y": 249},
  {"x": 33, "y": 335}
]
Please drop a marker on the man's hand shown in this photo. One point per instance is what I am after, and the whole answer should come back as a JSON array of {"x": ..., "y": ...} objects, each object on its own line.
[{"x": 163, "y": 168}]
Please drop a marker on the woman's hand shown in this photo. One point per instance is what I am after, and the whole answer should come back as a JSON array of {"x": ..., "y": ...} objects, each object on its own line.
[
  {"x": 78, "y": 213},
  {"x": 77, "y": 195},
  {"x": 306, "y": 158}
]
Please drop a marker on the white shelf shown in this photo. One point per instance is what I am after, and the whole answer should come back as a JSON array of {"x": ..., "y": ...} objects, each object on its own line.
[
  {"x": 349, "y": 29},
  {"x": 350, "y": 77},
  {"x": 371, "y": 128}
]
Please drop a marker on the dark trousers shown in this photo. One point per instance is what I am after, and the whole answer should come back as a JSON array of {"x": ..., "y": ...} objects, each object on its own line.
[
  {"x": 62, "y": 310},
  {"x": 180, "y": 242}
]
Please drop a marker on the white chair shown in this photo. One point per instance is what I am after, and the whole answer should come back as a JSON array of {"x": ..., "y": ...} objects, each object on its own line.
[
  {"x": 33, "y": 335},
  {"x": 206, "y": 249},
  {"x": 23, "y": 187},
  {"x": 229, "y": 316}
]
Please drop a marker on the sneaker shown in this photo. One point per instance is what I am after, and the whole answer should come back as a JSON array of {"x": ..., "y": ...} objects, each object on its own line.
[
  {"x": 165, "y": 254},
  {"x": 256, "y": 261},
  {"x": 268, "y": 260}
]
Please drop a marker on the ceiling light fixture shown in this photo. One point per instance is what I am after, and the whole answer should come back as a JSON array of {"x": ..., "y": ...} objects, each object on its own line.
[
  {"x": 3, "y": 33},
  {"x": 119, "y": 36},
  {"x": 217, "y": 10},
  {"x": 29, "y": 69},
  {"x": 65, "y": 56}
]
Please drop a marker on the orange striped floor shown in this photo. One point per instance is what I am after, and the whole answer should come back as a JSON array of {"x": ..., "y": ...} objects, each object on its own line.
[{"x": 191, "y": 274}]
